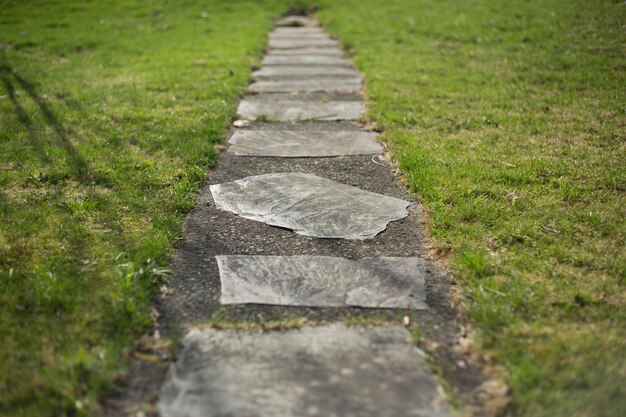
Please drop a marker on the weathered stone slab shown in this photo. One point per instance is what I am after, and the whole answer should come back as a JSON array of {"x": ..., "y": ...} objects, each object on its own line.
[
  {"x": 300, "y": 39},
  {"x": 303, "y": 144},
  {"x": 286, "y": 107},
  {"x": 307, "y": 34},
  {"x": 321, "y": 371},
  {"x": 310, "y": 51},
  {"x": 310, "y": 205},
  {"x": 305, "y": 31},
  {"x": 349, "y": 85},
  {"x": 323, "y": 281},
  {"x": 302, "y": 43},
  {"x": 304, "y": 71},
  {"x": 306, "y": 60}
]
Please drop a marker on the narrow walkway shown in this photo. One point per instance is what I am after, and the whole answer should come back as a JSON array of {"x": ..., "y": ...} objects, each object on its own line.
[{"x": 304, "y": 224}]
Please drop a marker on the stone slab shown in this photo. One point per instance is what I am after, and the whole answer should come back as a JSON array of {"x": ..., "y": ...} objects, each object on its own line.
[
  {"x": 325, "y": 371},
  {"x": 303, "y": 144},
  {"x": 297, "y": 32},
  {"x": 304, "y": 71},
  {"x": 287, "y": 107},
  {"x": 323, "y": 281},
  {"x": 345, "y": 85},
  {"x": 310, "y": 50},
  {"x": 304, "y": 59},
  {"x": 298, "y": 35},
  {"x": 309, "y": 205},
  {"x": 302, "y": 43},
  {"x": 278, "y": 39}
]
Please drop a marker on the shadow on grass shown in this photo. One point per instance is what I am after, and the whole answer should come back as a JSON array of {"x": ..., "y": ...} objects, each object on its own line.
[{"x": 10, "y": 78}]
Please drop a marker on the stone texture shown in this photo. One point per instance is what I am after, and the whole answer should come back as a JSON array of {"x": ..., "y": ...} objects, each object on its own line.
[
  {"x": 299, "y": 36},
  {"x": 301, "y": 43},
  {"x": 322, "y": 281},
  {"x": 344, "y": 85},
  {"x": 325, "y": 371},
  {"x": 309, "y": 205},
  {"x": 311, "y": 51},
  {"x": 304, "y": 59},
  {"x": 287, "y": 107},
  {"x": 298, "y": 144},
  {"x": 297, "y": 32},
  {"x": 305, "y": 71}
]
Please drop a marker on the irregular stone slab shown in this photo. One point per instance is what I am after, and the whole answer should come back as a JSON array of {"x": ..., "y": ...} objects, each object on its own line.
[
  {"x": 310, "y": 205},
  {"x": 323, "y": 281},
  {"x": 321, "y": 371},
  {"x": 349, "y": 85},
  {"x": 306, "y": 60},
  {"x": 303, "y": 71},
  {"x": 309, "y": 51},
  {"x": 286, "y": 107},
  {"x": 302, "y": 43},
  {"x": 303, "y": 144}
]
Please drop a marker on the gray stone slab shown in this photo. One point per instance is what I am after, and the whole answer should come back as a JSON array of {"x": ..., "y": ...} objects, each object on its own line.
[
  {"x": 351, "y": 79},
  {"x": 295, "y": 31},
  {"x": 287, "y": 107},
  {"x": 323, "y": 281},
  {"x": 309, "y": 205},
  {"x": 345, "y": 85},
  {"x": 325, "y": 371},
  {"x": 274, "y": 39},
  {"x": 310, "y": 34},
  {"x": 303, "y": 144},
  {"x": 310, "y": 50},
  {"x": 306, "y": 60},
  {"x": 302, "y": 43},
  {"x": 304, "y": 71}
]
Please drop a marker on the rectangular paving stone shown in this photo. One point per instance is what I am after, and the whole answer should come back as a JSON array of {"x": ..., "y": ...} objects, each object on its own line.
[
  {"x": 304, "y": 59},
  {"x": 302, "y": 43},
  {"x": 285, "y": 31},
  {"x": 304, "y": 71},
  {"x": 288, "y": 107},
  {"x": 274, "y": 39},
  {"x": 301, "y": 34},
  {"x": 346, "y": 85},
  {"x": 323, "y": 281},
  {"x": 303, "y": 144},
  {"x": 310, "y": 50},
  {"x": 325, "y": 371}
]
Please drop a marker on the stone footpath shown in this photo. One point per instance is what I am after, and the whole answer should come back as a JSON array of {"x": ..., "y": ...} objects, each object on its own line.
[{"x": 304, "y": 220}]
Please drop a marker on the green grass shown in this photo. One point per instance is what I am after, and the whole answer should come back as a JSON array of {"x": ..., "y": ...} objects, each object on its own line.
[
  {"x": 508, "y": 119},
  {"x": 109, "y": 112}
]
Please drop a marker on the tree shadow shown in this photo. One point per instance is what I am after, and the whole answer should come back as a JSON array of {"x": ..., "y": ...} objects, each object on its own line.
[{"x": 10, "y": 79}]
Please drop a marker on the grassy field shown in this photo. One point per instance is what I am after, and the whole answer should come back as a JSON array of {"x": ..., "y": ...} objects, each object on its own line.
[
  {"x": 508, "y": 118},
  {"x": 109, "y": 112}
]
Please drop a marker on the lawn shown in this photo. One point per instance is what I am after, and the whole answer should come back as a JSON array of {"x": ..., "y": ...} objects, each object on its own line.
[
  {"x": 109, "y": 112},
  {"x": 508, "y": 120}
]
